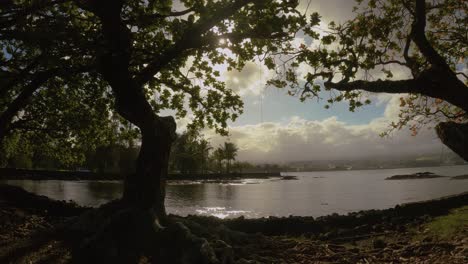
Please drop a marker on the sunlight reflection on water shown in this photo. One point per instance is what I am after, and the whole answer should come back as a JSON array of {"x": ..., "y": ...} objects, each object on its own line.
[{"x": 222, "y": 212}]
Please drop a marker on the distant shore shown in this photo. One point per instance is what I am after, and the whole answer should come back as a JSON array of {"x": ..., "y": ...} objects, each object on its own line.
[
  {"x": 77, "y": 175},
  {"x": 26, "y": 174}
]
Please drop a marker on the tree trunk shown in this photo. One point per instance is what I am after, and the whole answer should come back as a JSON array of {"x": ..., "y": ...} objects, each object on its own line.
[
  {"x": 146, "y": 189},
  {"x": 454, "y": 136}
]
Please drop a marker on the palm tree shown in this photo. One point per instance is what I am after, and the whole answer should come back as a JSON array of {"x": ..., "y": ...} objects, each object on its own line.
[
  {"x": 218, "y": 156},
  {"x": 204, "y": 149},
  {"x": 230, "y": 153}
]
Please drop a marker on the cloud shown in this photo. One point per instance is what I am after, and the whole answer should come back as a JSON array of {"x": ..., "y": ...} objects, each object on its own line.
[
  {"x": 250, "y": 80},
  {"x": 301, "y": 139}
]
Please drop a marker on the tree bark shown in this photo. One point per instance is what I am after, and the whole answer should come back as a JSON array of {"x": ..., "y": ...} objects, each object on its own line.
[
  {"x": 454, "y": 136},
  {"x": 146, "y": 189}
]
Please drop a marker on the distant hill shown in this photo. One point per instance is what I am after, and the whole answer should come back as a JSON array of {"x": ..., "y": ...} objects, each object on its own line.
[{"x": 426, "y": 160}]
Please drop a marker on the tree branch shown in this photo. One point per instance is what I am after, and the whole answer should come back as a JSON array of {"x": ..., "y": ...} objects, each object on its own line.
[
  {"x": 181, "y": 87},
  {"x": 419, "y": 37},
  {"x": 21, "y": 100},
  {"x": 20, "y": 76},
  {"x": 462, "y": 74},
  {"x": 24, "y": 96},
  {"x": 379, "y": 86},
  {"x": 189, "y": 40}
]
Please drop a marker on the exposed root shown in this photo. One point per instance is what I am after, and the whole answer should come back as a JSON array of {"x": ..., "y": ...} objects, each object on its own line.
[{"x": 116, "y": 232}]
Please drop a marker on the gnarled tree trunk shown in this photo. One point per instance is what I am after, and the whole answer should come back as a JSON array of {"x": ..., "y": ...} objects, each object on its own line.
[
  {"x": 145, "y": 189},
  {"x": 454, "y": 136}
]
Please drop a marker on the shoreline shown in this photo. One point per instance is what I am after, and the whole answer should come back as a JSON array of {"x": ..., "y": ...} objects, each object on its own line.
[
  {"x": 19, "y": 197},
  {"x": 394, "y": 235},
  {"x": 26, "y": 174}
]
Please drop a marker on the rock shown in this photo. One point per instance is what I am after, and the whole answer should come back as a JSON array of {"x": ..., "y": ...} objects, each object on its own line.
[
  {"x": 288, "y": 177},
  {"x": 224, "y": 252},
  {"x": 207, "y": 253},
  {"x": 415, "y": 176}
]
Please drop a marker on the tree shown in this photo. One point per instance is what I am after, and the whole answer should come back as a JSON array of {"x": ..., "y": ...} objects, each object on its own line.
[
  {"x": 204, "y": 152},
  {"x": 185, "y": 153},
  {"x": 190, "y": 153},
  {"x": 72, "y": 114},
  {"x": 134, "y": 59},
  {"x": 229, "y": 153},
  {"x": 218, "y": 157},
  {"x": 425, "y": 38}
]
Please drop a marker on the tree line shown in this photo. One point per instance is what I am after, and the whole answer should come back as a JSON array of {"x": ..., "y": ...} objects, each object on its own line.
[{"x": 191, "y": 153}]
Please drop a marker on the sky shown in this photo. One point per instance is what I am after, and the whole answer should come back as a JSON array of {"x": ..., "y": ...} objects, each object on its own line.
[{"x": 276, "y": 127}]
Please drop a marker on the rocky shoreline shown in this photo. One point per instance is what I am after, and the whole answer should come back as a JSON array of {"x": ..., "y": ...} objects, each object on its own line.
[
  {"x": 424, "y": 175},
  {"x": 460, "y": 177},
  {"x": 396, "y": 235}
]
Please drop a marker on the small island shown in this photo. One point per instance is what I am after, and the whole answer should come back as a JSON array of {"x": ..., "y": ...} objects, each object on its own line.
[
  {"x": 415, "y": 176},
  {"x": 288, "y": 177}
]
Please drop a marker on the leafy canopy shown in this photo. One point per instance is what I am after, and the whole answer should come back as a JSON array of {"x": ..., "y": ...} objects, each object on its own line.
[{"x": 54, "y": 95}]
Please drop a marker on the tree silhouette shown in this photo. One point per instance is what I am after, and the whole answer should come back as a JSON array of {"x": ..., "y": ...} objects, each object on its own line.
[
  {"x": 218, "y": 156},
  {"x": 204, "y": 152},
  {"x": 229, "y": 153}
]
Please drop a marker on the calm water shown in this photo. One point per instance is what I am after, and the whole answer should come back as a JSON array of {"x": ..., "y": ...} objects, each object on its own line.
[{"x": 314, "y": 194}]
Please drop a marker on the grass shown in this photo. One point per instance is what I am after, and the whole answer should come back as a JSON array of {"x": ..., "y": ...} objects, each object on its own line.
[{"x": 445, "y": 227}]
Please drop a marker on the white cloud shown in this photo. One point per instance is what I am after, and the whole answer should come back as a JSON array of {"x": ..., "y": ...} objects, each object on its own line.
[
  {"x": 301, "y": 139},
  {"x": 250, "y": 80}
]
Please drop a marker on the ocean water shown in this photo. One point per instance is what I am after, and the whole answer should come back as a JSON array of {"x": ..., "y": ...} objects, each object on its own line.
[{"x": 313, "y": 194}]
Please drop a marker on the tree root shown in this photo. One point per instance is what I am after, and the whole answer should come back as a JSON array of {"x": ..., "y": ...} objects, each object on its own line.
[{"x": 116, "y": 232}]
